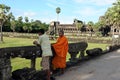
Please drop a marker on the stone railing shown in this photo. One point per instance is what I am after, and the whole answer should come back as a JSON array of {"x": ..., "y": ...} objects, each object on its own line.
[
  {"x": 75, "y": 48},
  {"x": 32, "y": 52},
  {"x": 28, "y": 52}
]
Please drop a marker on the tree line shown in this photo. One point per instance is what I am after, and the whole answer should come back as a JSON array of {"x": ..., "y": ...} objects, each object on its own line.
[{"x": 20, "y": 24}]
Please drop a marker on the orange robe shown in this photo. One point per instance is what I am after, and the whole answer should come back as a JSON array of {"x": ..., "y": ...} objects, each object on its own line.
[{"x": 61, "y": 49}]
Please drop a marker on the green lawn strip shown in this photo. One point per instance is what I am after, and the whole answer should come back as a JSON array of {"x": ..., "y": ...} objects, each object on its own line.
[
  {"x": 14, "y": 42},
  {"x": 19, "y": 63},
  {"x": 97, "y": 45}
]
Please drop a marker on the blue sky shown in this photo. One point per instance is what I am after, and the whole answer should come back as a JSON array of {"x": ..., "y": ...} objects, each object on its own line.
[{"x": 45, "y": 10}]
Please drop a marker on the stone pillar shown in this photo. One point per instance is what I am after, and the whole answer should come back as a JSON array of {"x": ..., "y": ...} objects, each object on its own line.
[
  {"x": 5, "y": 69},
  {"x": 73, "y": 56},
  {"x": 33, "y": 62}
]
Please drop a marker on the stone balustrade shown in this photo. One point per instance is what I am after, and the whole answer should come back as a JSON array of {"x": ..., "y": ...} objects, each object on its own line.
[{"x": 31, "y": 52}]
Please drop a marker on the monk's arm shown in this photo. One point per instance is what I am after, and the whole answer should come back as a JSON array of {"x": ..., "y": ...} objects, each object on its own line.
[{"x": 61, "y": 42}]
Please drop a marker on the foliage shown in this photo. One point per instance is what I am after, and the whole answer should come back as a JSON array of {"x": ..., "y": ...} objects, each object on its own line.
[
  {"x": 4, "y": 17},
  {"x": 112, "y": 15},
  {"x": 28, "y": 27},
  {"x": 90, "y": 23},
  {"x": 78, "y": 23},
  {"x": 97, "y": 25},
  {"x": 18, "y": 25},
  {"x": 90, "y": 26},
  {"x": 58, "y": 10}
]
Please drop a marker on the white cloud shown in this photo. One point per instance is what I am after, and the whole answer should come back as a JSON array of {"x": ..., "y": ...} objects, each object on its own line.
[
  {"x": 79, "y": 1},
  {"x": 87, "y": 11},
  {"x": 51, "y": 5},
  {"x": 66, "y": 19},
  {"x": 63, "y": 19},
  {"x": 29, "y": 14},
  {"x": 46, "y": 20},
  {"x": 89, "y": 14},
  {"x": 56, "y": 2},
  {"x": 96, "y": 2},
  {"x": 103, "y": 2}
]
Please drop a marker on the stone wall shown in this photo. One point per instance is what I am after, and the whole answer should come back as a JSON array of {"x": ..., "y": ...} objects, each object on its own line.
[
  {"x": 5, "y": 68},
  {"x": 30, "y": 52}
]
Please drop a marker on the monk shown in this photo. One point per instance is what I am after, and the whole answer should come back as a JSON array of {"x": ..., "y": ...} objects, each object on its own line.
[{"x": 61, "y": 49}]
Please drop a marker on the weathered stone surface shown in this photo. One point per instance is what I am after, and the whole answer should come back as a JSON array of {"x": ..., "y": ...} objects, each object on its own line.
[
  {"x": 24, "y": 51},
  {"x": 75, "y": 48},
  {"x": 5, "y": 69},
  {"x": 94, "y": 52},
  {"x": 31, "y": 52}
]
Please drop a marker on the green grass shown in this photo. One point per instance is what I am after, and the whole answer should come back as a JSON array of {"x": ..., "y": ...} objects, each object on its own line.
[
  {"x": 13, "y": 42},
  {"x": 97, "y": 45},
  {"x": 18, "y": 63}
]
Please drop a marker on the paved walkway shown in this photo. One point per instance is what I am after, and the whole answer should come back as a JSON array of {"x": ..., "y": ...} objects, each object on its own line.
[{"x": 105, "y": 67}]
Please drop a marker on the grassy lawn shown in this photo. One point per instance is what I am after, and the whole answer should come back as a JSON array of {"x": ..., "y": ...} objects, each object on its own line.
[
  {"x": 18, "y": 63},
  {"x": 12, "y": 42}
]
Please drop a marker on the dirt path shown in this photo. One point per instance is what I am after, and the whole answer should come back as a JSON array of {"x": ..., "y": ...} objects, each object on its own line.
[{"x": 105, "y": 67}]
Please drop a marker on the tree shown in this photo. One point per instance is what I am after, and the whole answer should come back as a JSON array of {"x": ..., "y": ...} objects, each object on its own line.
[
  {"x": 26, "y": 19},
  {"x": 13, "y": 25},
  {"x": 78, "y": 23},
  {"x": 4, "y": 10},
  {"x": 19, "y": 24},
  {"x": 58, "y": 10},
  {"x": 12, "y": 22},
  {"x": 90, "y": 26},
  {"x": 112, "y": 15},
  {"x": 20, "y": 19},
  {"x": 27, "y": 26}
]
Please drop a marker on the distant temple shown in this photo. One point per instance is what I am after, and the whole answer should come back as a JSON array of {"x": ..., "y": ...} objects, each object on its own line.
[{"x": 68, "y": 28}]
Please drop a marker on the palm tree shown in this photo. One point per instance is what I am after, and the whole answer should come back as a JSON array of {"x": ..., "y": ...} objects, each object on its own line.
[
  {"x": 3, "y": 17},
  {"x": 20, "y": 19},
  {"x": 1, "y": 23},
  {"x": 19, "y": 24},
  {"x": 58, "y": 10},
  {"x": 12, "y": 22},
  {"x": 26, "y": 19},
  {"x": 113, "y": 17},
  {"x": 90, "y": 26},
  {"x": 13, "y": 25},
  {"x": 26, "y": 26}
]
